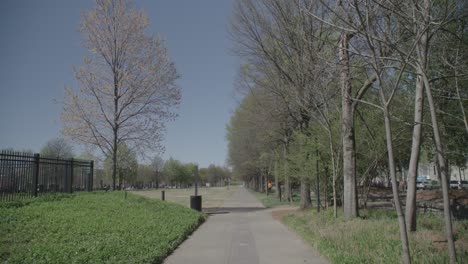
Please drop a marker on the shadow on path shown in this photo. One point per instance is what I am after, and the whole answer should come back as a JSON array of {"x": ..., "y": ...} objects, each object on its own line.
[{"x": 227, "y": 210}]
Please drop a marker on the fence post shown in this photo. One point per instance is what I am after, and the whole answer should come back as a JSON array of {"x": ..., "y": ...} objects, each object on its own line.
[
  {"x": 71, "y": 177},
  {"x": 91, "y": 177},
  {"x": 36, "y": 173}
]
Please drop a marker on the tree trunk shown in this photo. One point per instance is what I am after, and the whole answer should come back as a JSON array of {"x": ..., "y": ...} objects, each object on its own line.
[
  {"x": 114, "y": 162},
  {"x": 326, "y": 188},
  {"x": 287, "y": 185},
  {"x": 403, "y": 176},
  {"x": 260, "y": 183},
  {"x": 120, "y": 179},
  {"x": 287, "y": 190},
  {"x": 335, "y": 172},
  {"x": 157, "y": 180},
  {"x": 414, "y": 159},
  {"x": 277, "y": 185},
  {"x": 306, "y": 201},
  {"x": 459, "y": 174},
  {"x": 442, "y": 169},
  {"x": 317, "y": 177},
  {"x": 347, "y": 130},
  {"x": 391, "y": 164},
  {"x": 335, "y": 207}
]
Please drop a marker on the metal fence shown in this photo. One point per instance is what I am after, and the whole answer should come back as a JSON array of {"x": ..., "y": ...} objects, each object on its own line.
[{"x": 27, "y": 175}]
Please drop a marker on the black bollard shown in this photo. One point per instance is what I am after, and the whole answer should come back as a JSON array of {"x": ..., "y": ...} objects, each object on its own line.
[{"x": 163, "y": 195}]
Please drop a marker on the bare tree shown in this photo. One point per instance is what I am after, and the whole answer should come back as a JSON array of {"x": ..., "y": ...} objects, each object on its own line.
[
  {"x": 58, "y": 147},
  {"x": 127, "y": 84}
]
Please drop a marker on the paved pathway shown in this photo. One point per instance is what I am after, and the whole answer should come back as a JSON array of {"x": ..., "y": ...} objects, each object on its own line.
[{"x": 243, "y": 232}]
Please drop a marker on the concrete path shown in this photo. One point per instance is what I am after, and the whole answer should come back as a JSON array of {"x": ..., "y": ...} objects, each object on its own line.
[{"x": 243, "y": 232}]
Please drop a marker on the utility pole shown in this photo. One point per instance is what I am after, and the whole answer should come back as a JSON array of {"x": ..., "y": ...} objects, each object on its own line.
[{"x": 196, "y": 180}]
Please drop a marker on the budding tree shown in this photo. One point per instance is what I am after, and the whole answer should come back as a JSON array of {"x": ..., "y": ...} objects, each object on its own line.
[{"x": 127, "y": 83}]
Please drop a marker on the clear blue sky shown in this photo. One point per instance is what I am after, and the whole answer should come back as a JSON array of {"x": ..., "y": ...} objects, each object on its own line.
[{"x": 39, "y": 44}]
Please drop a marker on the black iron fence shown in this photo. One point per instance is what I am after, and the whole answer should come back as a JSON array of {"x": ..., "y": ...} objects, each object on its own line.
[{"x": 26, "y": 175}]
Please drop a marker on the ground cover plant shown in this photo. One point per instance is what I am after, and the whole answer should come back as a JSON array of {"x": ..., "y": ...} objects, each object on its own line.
[
  {"x": 111, "y": 227},
  {"x": 373, "y": 238}
]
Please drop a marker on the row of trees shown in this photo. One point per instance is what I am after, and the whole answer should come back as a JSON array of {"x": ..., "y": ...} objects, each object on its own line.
[
  {"x": 157, "y": 173},
  {"x": 179, "y": 174},
  {"x": 338, "y": 93}
]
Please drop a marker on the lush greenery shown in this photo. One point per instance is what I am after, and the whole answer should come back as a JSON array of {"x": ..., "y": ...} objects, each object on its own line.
[
  {"x": 374, "y": 237},
  {"x": 111, "y": 227}
]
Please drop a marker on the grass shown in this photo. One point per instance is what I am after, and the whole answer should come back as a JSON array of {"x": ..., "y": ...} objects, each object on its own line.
[
  {"x": 374, "y": 238},
  {"x": 211, "y": 197},
  {"x": 93, "y": 228},
  {"x": 271, "y": 200}
]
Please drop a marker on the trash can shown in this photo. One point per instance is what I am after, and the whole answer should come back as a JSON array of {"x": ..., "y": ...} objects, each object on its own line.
[{"x": 196, "y": 202}]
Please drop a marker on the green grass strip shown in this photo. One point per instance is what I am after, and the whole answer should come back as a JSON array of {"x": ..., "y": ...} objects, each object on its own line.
[
  {"x": 93, "y": 228},
  {"x": 374, "y": 238}
]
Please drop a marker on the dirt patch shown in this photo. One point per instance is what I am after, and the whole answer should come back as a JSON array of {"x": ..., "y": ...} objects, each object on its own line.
[
  {"x": 280, "y": 213},
  {"x": 460, "y": 196},
  {"x": 462, "y": 244},
  {"x": 379, "y": 190},
  {"x": 439, "y": 242}
]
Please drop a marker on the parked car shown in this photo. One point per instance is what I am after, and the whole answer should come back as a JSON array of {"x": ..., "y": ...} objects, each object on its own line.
[
  {"x": 421, "y": 185},
  {"x": 464, "y": 184},
  {"x": 455, "y": 185}
]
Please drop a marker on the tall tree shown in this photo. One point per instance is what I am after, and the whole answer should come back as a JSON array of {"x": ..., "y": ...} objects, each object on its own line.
[
  {"x": 354, "y": 83},
  {"x": 127, "y": 84}
]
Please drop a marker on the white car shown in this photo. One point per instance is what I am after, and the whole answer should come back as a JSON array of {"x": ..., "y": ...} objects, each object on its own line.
[
  {"x": 463, "y": 185},
  {"x": 421, "y": 185},
  {"x": 455, "y": 185}
]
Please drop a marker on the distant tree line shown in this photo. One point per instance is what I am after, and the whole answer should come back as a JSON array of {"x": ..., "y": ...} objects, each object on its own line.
[{"x": 130, "y": 173}]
